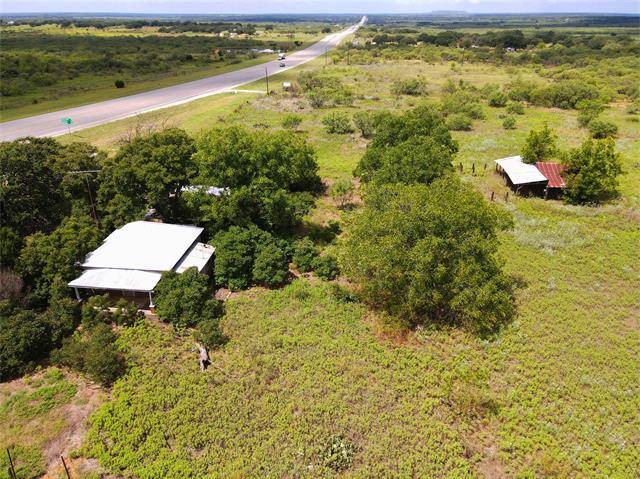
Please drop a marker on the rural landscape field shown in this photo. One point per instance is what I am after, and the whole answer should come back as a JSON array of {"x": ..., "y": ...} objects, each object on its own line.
[{"x": 384, "y": 299}]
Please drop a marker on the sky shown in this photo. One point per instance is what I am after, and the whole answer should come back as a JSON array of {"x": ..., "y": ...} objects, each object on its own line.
[{"x": 320, "y": 6}]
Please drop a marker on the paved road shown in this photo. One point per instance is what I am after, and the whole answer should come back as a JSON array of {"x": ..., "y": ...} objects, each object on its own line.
[{"x": 86, "y": 116}]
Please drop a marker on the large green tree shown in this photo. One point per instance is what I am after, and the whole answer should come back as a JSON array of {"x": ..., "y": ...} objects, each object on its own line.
[
  {"x": 269, "y": 180},
  {"x": 592, "y": 172},
  {"x": 236, "y": 156},
  {"x": 46, "y": 257},
  {"x": 540, "y": 145},
  {"x": 31, "y": 198},
  {"x": 149, "y": 171},
  {"x": 415, "y": 147},
  {"x": 186, "y": 299},
  {"x": 428, "y": 253}
]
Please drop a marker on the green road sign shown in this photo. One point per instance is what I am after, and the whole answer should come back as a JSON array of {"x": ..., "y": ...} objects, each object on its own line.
[{"x": 66, "y": 121}]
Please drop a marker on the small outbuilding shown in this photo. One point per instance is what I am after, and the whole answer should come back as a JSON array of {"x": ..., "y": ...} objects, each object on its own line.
[
  {"x": 131, "y": 260},
  {"x": 521, "y": 177},
  {"x": 553, "y": 172}
]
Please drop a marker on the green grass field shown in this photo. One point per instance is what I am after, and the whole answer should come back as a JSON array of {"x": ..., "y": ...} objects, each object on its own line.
[{"x": 555, "y": 394}]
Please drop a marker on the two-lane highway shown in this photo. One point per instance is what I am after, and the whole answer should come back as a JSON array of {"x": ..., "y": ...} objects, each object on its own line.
[{"x": 49, "y": 124}]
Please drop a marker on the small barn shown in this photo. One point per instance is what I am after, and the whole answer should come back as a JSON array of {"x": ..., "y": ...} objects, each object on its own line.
[
  {"x": 553, "y": 172},
  {"x": 131, "y": 260},
  {"x": 522, "y": 178}
]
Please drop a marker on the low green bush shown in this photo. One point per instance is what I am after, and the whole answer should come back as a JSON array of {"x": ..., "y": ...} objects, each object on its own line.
[
  {"x": 410, "y": 86},
  {"x": 94, "y": 353},
  {"x": 325, "y": 267},
  {"x": 602, "y": 129},
  {"x": 364, "y": 122},
  {"x": 270, "y": 267},
  {"x": 291, "y": 121},
  {"x": 515, "y": 108},
  {"x": 509, "y": 123},
  {"x": 498, "y": 99},
  {"x": 459, "y": 122},
  {"x": 337, "y": 123},
  {"x": 304, "y": 254}
]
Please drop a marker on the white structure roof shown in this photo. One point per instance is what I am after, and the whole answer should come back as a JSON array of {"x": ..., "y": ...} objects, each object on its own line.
[
  {"x": 117, "y": 279},
  {"x": 209, "y": 190},
  {"x": 144, "y": 245},
  {"x": 520, "y": 173},
  {"x": 198, "y": 255}
]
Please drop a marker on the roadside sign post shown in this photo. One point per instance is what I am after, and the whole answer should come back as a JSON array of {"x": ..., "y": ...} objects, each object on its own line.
[{"x": 68, "y": 122}]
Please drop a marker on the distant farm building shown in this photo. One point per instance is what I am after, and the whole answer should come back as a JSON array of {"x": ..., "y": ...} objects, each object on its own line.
[
  {"x": 542, "y": 179},
  {"x": 131, "y": 260}
]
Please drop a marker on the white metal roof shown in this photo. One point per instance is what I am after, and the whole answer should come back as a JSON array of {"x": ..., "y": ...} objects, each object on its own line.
[
  {"x": 520, "y": 173},
  {"x": 117, "y": 279},
  {"x": 209, "y": 190},
  {"x": 198, "y": 256},
  {"x": 144, "y": 245}
]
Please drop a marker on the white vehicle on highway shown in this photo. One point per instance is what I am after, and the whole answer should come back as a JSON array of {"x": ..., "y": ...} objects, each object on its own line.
[{"x": 281, "y": 56}]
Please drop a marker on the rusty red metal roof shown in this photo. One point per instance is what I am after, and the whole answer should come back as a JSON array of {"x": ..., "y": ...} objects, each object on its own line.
[{"x": 553, "y": 172}]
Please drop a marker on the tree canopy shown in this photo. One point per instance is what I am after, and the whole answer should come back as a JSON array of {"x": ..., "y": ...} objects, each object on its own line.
[
  {"x": 31, "y": 199},
  {"x": 148, "y": 171},
  {"x": 428, "y": 253},
  {"x": 269, "y": 177},
  {"x": 592, "y": 172},
  {"x": 415, "y": 147}
]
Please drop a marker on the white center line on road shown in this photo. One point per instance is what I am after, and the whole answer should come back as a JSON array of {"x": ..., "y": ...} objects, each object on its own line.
[{"x": 87, "y": 116}]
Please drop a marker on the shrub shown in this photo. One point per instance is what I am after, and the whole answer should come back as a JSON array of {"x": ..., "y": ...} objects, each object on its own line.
[
  {"x": 428, "y": 253},
  {"x": 24, "y": 340},
  {"x": 270, "y": 266},
  {"x": 498, "y": 99},
  {"x": 237, "y": 250},
  {"x": 338, "y": 123},
  {"x": 589, "y": 111},
  {"x": 564, "y": 94},
  {"x": 126, "y": 313},
  {"x": 509, "y": 123},
  {"x": 119, "y": 83},
  {"x": 317, "y": 99},
  {"x": 462, "y": 102},
  {"x": 592, "y": 172},
  {"x": 540, "y": 145},
  {"x": 185, "y": 299},
  {"x": 208, "y": 333},
  {"x": 602, "y": 129},
  {"x": 291, "y": 121},
  {"x": 364, "y": 122},
  {"x": 515, "y": 108},
  {"x": 521, "y": 90},
  {"x": 342, "y": 192},
  {"x": 325, "y": 267},
  {"x": 94, "y": 353},
  {"x": 304, "y": 253},
  {"x": 459, "y": 122},
  {"x": 411, "y": 86}
]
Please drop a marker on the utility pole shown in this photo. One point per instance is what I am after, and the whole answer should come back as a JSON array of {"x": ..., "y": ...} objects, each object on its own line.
[
  {"x": 325, "y": 56},
  {"x": 348, "y": 52},
  {"x": 86, "y": 178},
  {"x": 266, "y": 76}
]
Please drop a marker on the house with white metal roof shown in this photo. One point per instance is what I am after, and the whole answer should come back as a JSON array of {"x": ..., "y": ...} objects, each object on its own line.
[{"x": 131, "y": 259}]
